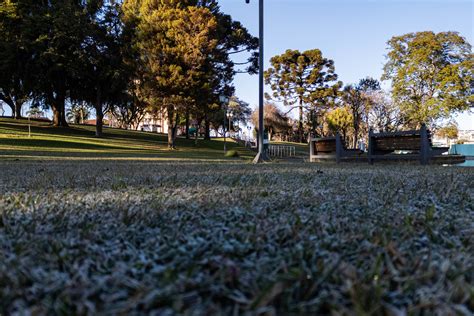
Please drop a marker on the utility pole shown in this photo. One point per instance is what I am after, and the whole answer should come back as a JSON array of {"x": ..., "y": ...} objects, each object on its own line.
[
  {"x": 224, "y": 127},
  {"x": 262, "y": 155}
]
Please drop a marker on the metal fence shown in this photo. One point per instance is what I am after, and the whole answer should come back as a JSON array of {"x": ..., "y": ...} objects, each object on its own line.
[{"x": 281, "y": 151}]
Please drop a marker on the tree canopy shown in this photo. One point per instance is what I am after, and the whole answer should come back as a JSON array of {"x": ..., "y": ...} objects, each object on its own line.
[
  {"x": 431, "y": 74},
  {"x": 122, "y": 58},
  {"x": 359, "y": 101},
  {"x": 184, "y": 49},
  {"x": 132, "y": 58},
  {"x": 275, "y": 121},
  {"x": 305, "y": 79}
]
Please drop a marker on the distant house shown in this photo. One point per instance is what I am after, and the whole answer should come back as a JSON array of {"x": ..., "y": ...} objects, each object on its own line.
[
  {"x": 94, "y": 122},
  {"x": 154, "y": 122},
  {"x": 466, "y": 136}
]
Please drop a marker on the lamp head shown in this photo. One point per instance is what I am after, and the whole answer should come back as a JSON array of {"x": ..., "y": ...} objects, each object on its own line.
[{"x": 247, "y": 1}]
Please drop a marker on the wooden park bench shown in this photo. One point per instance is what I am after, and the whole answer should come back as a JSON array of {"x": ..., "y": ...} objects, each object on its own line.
[
  {"x": 407, "y": 145},
  {"x": 331, "y": 148}
]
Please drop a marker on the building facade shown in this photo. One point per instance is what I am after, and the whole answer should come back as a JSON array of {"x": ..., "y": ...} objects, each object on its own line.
[
  {"x": 154, "y": 122},
  {"x": 464, "y": 136}
]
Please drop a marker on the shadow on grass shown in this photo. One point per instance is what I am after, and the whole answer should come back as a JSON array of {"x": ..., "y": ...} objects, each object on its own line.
[
  {"x": 58, "y": 144},
  {"x": 69, "y": 142}
]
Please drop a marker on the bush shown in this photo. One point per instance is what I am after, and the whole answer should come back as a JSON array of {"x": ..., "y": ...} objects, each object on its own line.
[{"x": 232, "y": 153}]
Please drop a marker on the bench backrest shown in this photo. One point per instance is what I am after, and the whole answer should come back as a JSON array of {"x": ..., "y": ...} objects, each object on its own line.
[
  {"x": 392, "y": 143},
  {"x": 324, "y": 145},
  {"x": 407, "y": 140}
]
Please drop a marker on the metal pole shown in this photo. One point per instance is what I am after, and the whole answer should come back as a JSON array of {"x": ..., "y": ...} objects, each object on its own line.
[
  {"x": 262, "y": 155},
  {"x": 225, "y": 114}
]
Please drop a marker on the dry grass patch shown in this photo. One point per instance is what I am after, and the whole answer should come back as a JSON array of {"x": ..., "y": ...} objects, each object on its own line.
[{"x": 202, "y": 239}]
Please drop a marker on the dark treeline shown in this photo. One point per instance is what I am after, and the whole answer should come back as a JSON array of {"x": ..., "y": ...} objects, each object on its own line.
[{"x": 122, "y": 57}]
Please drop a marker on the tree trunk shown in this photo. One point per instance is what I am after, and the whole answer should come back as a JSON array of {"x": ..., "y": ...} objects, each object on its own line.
[
  {"x": 170, "y": 113},
  {"x": 99, "y": 115},
  {"x": 99, "y": 122},
  {"x": 300, "y": 127},
  {"x": 18, "y": 110},
  {"x": 187, "y": 124},
  {"x": 356, "y": 137},
  {"x": 356, "y": 130},
  {"x": 63, "y": 118},
  {"x": 172, "y": 127},
  {"x": 59, "y": 114},
  {"x": 196, "y": 136},
  {"x": 170, "y": 138},
  {"x": 56, "y": 117},
  {"x": 175, "y": 130},
  {"x": 207, "y": 134}
]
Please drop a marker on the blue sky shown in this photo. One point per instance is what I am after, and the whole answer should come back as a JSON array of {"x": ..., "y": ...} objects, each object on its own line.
[{"x": 351, "y": 32}]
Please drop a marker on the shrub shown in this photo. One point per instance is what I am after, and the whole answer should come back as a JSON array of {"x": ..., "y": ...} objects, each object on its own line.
[{"x": 232, "y": 153}]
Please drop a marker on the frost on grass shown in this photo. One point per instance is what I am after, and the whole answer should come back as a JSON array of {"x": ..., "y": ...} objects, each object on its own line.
[{"x": 201, "y": 239}]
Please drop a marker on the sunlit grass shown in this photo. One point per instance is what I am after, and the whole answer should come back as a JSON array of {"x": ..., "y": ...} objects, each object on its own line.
[{"x": 79, "y": 141}]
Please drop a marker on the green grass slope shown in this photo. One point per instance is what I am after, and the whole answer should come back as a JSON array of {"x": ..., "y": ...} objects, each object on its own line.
[{"x": 78, "y": 142}]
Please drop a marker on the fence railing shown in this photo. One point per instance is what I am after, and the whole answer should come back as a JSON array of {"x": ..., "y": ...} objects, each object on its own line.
[{"x": 281, "y": 151}]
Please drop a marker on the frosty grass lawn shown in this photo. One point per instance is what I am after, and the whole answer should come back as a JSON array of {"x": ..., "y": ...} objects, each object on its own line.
[{"x": 233, "y": 238}]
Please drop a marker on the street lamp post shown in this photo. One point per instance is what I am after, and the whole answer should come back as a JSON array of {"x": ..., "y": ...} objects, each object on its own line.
[
  {"x": 224, "y": 100},
  {"x": 224, "y": 127},
  {"x": 262, "y": 155},
  {"x": 230, "y": 115}
]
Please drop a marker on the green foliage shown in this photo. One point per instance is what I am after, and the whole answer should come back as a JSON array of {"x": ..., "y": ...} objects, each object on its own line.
[
  {"x": 432, "y": 75},
  {"x": 359, "y": 99},
  {"x": 238, "y": 111},
  {"x": 104, "y": 74},
  {"x": 13, "y": 47},
  {"x": 59, "y": 50},
  {"x": 305, "y": 79},
  {"x": 121, "y": 56},
  {"x": 449, "y": 131},
  {"x": 183, "y": 50},
  {"x": 383, "y": 115},
  {"x": 232, "y": 153},
  {"x": 35, "y": 112},
  {"x": 340, "y": 120},
  {"x": 274, "y": 120},
  {"x": 174, "y": 44},
  {"x": 78, "y": 113}
]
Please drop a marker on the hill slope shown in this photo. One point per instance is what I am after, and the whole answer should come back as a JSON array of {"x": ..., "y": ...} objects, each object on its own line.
[{"x": 79, "y": 142}]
